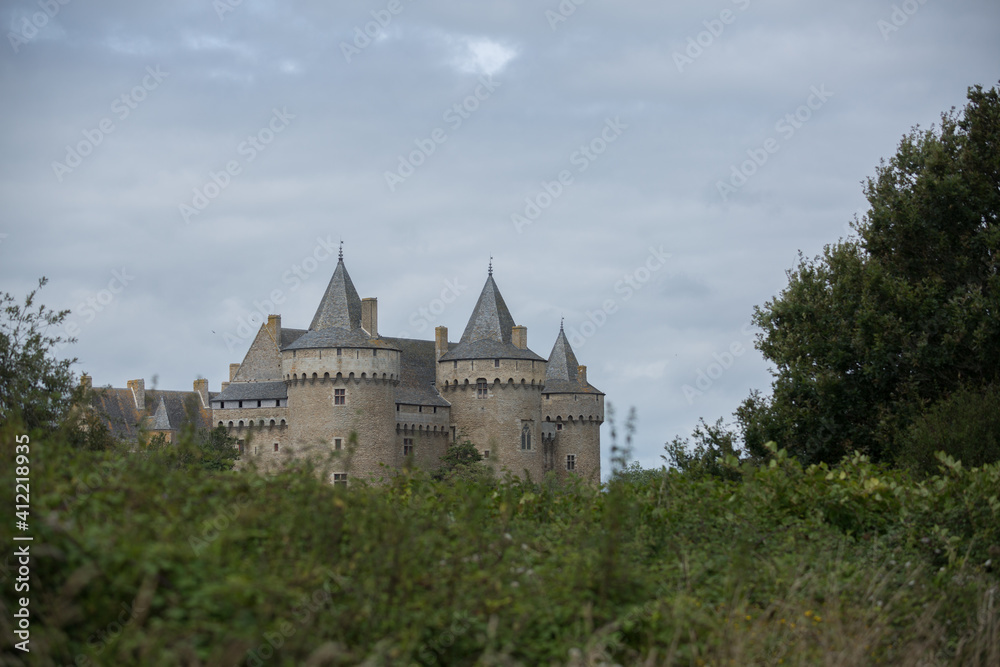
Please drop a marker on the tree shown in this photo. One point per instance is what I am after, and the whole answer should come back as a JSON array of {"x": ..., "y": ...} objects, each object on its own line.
[
  {"x": 34, "y": 386},
  {"x": 868, "y": 335}
]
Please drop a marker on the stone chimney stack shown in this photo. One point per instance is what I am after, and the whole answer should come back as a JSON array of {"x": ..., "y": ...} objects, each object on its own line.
[
  {"x": 369, "y": 316},
  {"x": 274, "y": 327},
  {"x": 440, "y": 342},
  {"x": 233, "y": 369},
  {"x": 201, "y": 386},
  {"x": 138, "y": 388},
  {"x": 519, "y": 337},
  {"x": 86, "y": 381},
  {"x": 581, "y": 374}
]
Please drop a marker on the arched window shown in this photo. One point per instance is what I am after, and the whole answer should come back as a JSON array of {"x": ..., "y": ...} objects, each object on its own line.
[{"x": 526, "y": 437}]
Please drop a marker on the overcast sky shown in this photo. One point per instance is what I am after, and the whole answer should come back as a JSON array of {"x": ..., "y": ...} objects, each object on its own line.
[{"x": 648, "y": 172}]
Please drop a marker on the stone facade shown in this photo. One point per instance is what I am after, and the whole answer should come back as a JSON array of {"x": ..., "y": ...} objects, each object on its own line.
[{"x": 368, "y": 404}]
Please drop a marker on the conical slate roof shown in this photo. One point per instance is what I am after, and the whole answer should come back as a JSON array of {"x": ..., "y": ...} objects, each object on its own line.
[
  {"x": 562, "y": 373},
  {"x": 488, "y": 333},
  {"x": 161, "y": 422},
  {"x": 341, "y": 305},
  {"x": 337, "y": 322}
]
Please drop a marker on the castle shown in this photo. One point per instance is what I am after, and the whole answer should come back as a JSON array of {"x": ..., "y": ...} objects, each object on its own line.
[{"x": 308, "y": 390}]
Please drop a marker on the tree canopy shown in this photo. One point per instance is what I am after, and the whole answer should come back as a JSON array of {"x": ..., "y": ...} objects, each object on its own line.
[
  {"x": 879, "y": 327},
  {"x": 35, "y": 387}
]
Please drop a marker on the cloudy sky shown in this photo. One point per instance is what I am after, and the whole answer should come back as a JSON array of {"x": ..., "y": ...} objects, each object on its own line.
[{"x": 648, "y": 172}]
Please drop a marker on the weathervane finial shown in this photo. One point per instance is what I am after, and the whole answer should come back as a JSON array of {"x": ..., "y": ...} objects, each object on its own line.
[
  {"x": 561, "y": 321},
  {"x": 491, "y": 265},
  {"x": 341, "y": 257}
]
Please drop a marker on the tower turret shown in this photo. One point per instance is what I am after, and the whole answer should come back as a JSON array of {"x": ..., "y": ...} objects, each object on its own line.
[
  {"x": 341, "y": 379},
  {"x": 493, "y": 382},
  {"x": 574, "y": 412}
]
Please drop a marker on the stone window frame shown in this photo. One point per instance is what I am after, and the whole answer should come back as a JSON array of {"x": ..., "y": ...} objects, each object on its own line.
[
  {"x": 571, "y": 462},
  {"x": 340, "y": 479},
  {"x": 526, "y": 436},
  {"x": 482, "y": 388},
  {"x": 340, "y": 396},
  {"x": 407, "y": 446},
  {"x": 338, "y": 444}
]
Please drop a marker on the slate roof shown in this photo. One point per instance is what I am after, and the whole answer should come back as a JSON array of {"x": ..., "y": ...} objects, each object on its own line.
[
  {"x": 341, "y": 305},
  {"x": 289, "y": 336},
  {"x": 488, "y": 333},
  {"x": 562, "y": 375},
  {"x": 161, "y": 422},
  {"x": 418, "y": 372},
  {"x": 117, "y": 407},
  {"x": 242, "y": 391},
  {"x": 337, "y": 322}
]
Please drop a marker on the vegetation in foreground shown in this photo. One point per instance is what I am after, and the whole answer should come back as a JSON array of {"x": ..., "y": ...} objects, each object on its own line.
[{"x": 159, "y": 560}]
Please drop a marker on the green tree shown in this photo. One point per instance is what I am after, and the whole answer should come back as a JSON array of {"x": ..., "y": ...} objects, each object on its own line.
[
  {"x": 880, "y": 326},
  {"x": 35, "y": 387}
]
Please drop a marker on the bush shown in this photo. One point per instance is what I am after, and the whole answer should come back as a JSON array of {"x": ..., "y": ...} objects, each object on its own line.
[{"x": 965, "y": 426}]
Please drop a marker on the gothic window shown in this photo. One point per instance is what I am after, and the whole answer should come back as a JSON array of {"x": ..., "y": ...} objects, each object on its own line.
[
  {"x": 526, "y": 437},
  {"x": 339, "y": 396},
  {"x": 571, "y": 462},
  {"x": 482, "y": 391}
]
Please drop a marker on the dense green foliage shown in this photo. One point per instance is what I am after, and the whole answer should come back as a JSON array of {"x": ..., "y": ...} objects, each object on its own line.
[
  {"x": 141, "y": 561},
  {"x": 867, "y": 336},
  {"x": 35, "y": 388}
]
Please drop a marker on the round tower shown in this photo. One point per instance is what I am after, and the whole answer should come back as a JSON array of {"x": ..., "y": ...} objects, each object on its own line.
[
  {"x": 573, "y": 410},
  {"x": 341, "y": 378},
  {"x": 494, "y": 384}
]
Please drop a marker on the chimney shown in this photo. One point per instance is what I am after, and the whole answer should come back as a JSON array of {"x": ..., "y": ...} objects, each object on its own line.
[
  {"x": 440, "y": 342},
  {"x": 224, "y": 385},
  {"x": 274, "y": 327},
  {"x": 233, "y": 370},
  {"x": 86, "y": 381},
  {"x": 369, "y": 316},
  {"x": 519, "y": 336},
  {"x": 201, "y": 386},
  {"x": 138, "y": 388},
  {"x": 581, "y": 375}
]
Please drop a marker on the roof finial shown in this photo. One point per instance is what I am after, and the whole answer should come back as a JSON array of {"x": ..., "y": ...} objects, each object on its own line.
[
  {"x": 341, "y": 250},
  {"x": 491, "y": 265},
  {"x": 561, "y": 320}
]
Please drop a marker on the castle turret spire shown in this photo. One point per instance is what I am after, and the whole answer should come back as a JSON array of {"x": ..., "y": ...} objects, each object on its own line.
[{"x": 341, "y": 305}]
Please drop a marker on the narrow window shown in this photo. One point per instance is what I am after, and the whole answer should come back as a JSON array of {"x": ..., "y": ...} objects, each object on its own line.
[
  {"x": 339, "y": 352},
  {"x": 526, "y": 437},
  {"x": 558, "y": 427},
  {"x": 435, "y": 409},
  {"x": 241, "y": 445},
  {"x": 275, "y": 446},
  {"x": 337, "y": 444},
  {"x": 340, "y": 479},
  {"x": 486, "y": 453},
  {"x": 496, "y": 363},
  {"x": 407, "y": 446},
  {"x": 241, "y": 404},
  {"x": 374, "y": 353},
  {"x": 571, "y": 462},
  {"x": 397, "y": 407},
  {"x": 420, "y": 408},
  {"x": 339, "y": 396},
  {"x": 481, "y": 389},
  {"x": 455, "y": 364}
]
